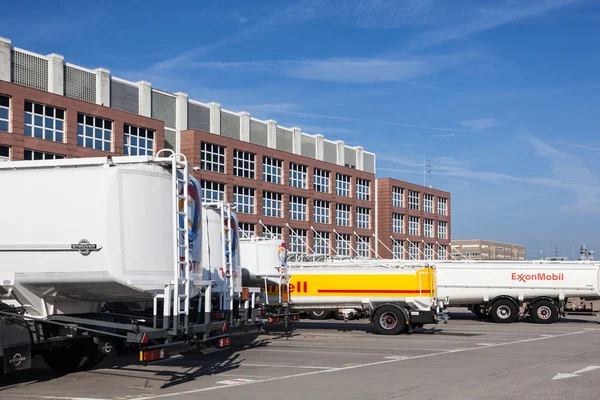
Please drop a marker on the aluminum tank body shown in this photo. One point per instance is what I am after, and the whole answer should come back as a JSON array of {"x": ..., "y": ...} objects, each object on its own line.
[
  {"x": 357, "y": 285},
  {"x": 76, "y": 236},
  {"x": 216, "y": 232},
  {"x": 262, "y": 259},
  {"x": 470, "y": 283}
]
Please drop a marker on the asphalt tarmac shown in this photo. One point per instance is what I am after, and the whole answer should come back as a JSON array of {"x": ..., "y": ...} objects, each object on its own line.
[{"x": 464, "y": 359}]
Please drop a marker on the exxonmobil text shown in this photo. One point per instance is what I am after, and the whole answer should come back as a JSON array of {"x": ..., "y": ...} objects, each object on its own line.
[{"x": 540, "y": 276}]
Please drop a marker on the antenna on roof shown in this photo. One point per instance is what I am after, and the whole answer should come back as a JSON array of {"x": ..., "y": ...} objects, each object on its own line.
[{"x": 429, "y": 169}]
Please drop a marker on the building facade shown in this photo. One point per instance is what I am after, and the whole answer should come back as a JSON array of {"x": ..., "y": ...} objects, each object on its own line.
[
  {"x": 413, "y": 221},
  {"x": 487, "y": 250},
  {"x": 321, "y": 196},
  {"x": 318, "y": 207}
]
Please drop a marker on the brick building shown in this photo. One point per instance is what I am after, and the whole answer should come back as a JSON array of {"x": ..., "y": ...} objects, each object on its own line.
[
  {"x": 318, "y": 194},
  {"x": 413, "y": 221},
  {"x": 487, "y": 250}
]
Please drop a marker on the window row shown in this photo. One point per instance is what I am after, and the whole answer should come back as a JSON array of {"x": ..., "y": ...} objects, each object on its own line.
[
  {"x": 412, "y": 251},
  {"x": 212, "y": 158},
  {"x": 413, "y": 201},
  {"x": 244, "y": 199},
  {"x": 29, "y": 155},
  {"x": 414, "y": 227},
  {"x": 47, "y": 122}
]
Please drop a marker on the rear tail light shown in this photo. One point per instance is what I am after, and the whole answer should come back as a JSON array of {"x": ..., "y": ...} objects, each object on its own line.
[
  {"x": 218, "y": 315},
  {"x": 153, "y": 355},
  {"x": 223, "y": 343},
  {"x": 274, "y": 320}
]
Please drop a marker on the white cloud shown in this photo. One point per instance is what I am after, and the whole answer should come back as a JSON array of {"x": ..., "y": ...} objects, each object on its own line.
[
  {"x": 568, "y": 173},
  {"x": 581, "y": 146},
  {"x": 479, "y": 124}
]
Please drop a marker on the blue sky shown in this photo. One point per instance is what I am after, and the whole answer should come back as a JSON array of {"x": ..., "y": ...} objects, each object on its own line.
[{"x": 501, "y": 97}]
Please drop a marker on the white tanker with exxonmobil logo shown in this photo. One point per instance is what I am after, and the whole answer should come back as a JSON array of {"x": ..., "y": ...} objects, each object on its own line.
[{"x": 507, "y": 290}]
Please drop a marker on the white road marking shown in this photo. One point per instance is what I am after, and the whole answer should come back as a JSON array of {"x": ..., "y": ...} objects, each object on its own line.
[
  {"x": 576, "y": 373},
  {"x": 284, "y": 366},
  {"x": 236, "y": 381},
  {"x": 485, "y": 344},
  {"x": 323, "y": 352},
  {"x": 396, "y": 357},
  {"x": 354, "y": 347},
  {"x": 278, "y": 378}
]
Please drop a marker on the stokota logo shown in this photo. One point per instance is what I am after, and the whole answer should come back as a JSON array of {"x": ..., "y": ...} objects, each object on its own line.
[{"x": 537, "y": 277}]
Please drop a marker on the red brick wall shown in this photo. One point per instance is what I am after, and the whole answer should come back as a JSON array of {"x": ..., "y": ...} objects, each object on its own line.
[
  {"x": 386, "y": 209},
  {"x": 18, "y": 142},
  {"x": 190, "y": 145}
]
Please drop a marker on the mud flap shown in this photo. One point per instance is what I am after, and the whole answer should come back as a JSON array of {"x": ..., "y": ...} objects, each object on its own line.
[{"x": 17, "y": 358}]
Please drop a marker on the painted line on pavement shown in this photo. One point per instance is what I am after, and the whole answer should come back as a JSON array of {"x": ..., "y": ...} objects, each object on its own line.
[{"x": 175, "y": 394}]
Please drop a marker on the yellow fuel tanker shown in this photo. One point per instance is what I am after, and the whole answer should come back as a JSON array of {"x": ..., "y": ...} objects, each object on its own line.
[{"x": 397, "y": 298}]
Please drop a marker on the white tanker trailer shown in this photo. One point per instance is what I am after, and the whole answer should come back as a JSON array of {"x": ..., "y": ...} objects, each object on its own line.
[
  {"x": 87, "y": 242},
  {"x": 506, "y": 290}
]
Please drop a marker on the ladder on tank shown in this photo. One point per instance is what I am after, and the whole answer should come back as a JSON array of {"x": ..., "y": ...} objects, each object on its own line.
[{"x": 177, "y": 294}]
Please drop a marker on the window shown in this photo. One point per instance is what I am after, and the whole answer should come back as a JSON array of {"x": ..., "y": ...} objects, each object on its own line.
[
  {"x": 243, "y": 164},
  {"x": 442, "y": 255},
  {"x": 298, "y": 207},
  {"x": 273, "y": 232},
  {"x": 298, "y": 176},
  {"x": 397, "y": 197},
  {"x": 39, "y": 155},
  {"x": 397, "y": 223},
  {"x": 321, "y": 211},
  {"x": 4, "y": 112},
  {"x": 413, "y": 200},
  {"x": 4, "y": 153},
  {"x": 428, "y": 251},
  {"x": 413, "y": 251},
  {"x": 442, "y": 205},
  {"x": 342, "y": 244},
  {"x": 362, "y": 217},
  {"x": 442, "y": 229},
  {"x": 362, "y": 189},
  {"x": 342, "y": 214},
  {"x": 397, "y": 249},
  {"x": 342, "y": 185},
  {"x": 212, "y": 157},
  {"x": 362, "y": 246},
  {"x": 212, "y": 191},
  {"x": 246, "y": 230},
  {"x": 272, "y": 170},
  {"x": 44, "y": 122},
  {"x": 138, "y": 141},
  {"x": 321, "y": 180},
  {"x": 428, "y": 227},
  {"x": 428, "y": 203},
  {"x": 272, "y": 204},
  {"x": 298, "y": 240},
  {"x": 321, "y": 242},
  {"x": 413, "y": 225},
  {"x": 243, "y": 199},
  {"x": 94, "y": 132}
]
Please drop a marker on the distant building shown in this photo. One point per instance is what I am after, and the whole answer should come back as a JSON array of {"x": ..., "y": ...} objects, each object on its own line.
[{"x": 487, "y": 250}]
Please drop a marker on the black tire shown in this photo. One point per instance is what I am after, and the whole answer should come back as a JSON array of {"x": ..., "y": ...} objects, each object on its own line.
[
  {"x": 504, "y": 311},
  {"x": 81, "y": 355},
  {"x": 480, "y": 312},
  {"x": 544, "y": 312},
  {"x": 389, "y": 320},
  {"x": 319, "y": 314}
]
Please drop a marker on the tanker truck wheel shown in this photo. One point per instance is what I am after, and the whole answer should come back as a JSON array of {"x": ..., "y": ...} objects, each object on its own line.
[
  {"x": 81, "y": 355},
  {"x": 504, "y": 311},
  {"x": 389, "y": 320},
  {"x": 544, "y": 312},
  {"x": 319, "y": 314}
]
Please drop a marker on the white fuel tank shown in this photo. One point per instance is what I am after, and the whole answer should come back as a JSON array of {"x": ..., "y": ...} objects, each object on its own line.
[
  {"x": 263, "y": 259},
  {"x": 218, "y": 232},
  {"x": 79, "y": 232},
  {"x": 470, "y": 282}
]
